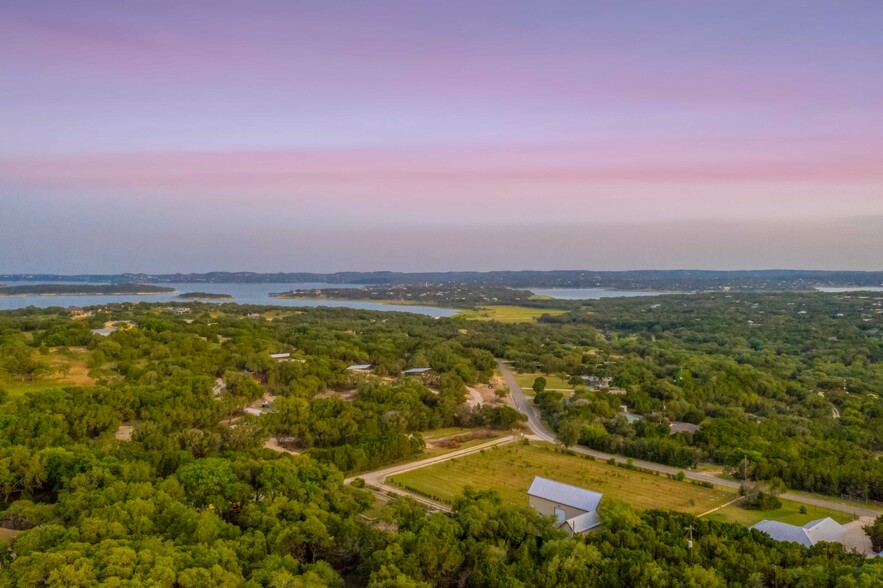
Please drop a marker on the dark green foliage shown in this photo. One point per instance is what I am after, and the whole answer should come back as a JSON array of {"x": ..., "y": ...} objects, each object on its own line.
[
  {"x": 783, "y": 385},
  {"x": 875, "y": 532},
  {"x": 194, "y": 501}
]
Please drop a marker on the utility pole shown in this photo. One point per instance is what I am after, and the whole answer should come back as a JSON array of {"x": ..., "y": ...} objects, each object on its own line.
[{"x": 690, "y": 542}]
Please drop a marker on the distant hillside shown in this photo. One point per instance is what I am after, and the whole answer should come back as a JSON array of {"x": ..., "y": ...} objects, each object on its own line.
[{"x": 677, "y": 280}]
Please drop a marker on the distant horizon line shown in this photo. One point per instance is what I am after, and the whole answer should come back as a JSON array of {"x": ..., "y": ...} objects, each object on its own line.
[{"x": 452, "y": 271}]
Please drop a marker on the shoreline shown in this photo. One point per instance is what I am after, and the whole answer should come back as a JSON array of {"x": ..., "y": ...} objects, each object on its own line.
[
  {"x": 84, "y": 294},
  {"x": 387, "y": 301}
]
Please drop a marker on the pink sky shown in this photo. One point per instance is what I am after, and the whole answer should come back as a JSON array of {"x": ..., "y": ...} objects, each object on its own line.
[{"x": 388, "y": 116}]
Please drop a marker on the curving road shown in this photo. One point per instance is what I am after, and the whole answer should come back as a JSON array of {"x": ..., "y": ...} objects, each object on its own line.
[
  {"x": 543, "y": 433},
  {"x": 539, "y": 430}
]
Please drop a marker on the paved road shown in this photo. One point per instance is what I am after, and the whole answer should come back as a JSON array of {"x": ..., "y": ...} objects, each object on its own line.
[
  {"x": 525, "y": 406},
  {"x": 542, "y": 432}
]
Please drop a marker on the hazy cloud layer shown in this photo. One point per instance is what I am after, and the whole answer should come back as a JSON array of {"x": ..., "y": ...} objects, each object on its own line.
[
  {"x": 164, "y": 135},
  {"x": 188, "y": 243}
]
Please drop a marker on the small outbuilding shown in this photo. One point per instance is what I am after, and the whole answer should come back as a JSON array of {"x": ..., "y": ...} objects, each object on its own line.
[
  {"x": 365, "y": 367},
  {"x": 417, "y": 371},
  {"x": 679, "y": 427},
  {"x": 575, "y": 509}
]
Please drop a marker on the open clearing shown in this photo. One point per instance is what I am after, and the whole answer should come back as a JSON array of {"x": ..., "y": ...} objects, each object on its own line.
[
  {"x": 553, "y": 382},
  {"x": 789, "y": 513},
  {"x": 510, "y": 469},
  {"x": 442, "y": 441},
  {"x": 8, "y": 534},
  {"x": 508, "y": 314},
  {"x": 66, "y": 368}
]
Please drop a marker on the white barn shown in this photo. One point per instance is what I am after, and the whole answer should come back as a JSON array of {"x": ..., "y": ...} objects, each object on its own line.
[{"x": 575, "y": 509}]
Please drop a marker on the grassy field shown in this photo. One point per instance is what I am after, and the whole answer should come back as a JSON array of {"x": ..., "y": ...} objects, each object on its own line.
[
  {"x": 508, "y": 314},
  {"x": 789, "y": 513},
  {"x": 872, "y": 504},
  {"x": 66, "y": 369},
  {"x": 509, "y": 469},
  {"x": 553, "y": 382}
]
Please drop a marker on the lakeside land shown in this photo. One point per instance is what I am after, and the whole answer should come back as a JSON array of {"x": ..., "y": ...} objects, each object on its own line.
[
  {"x": 638, "y": 280},
  {"x": 451, "y": 295},
  {"x": 476, "y": 301},
  {"x": 83, "y": 290}
]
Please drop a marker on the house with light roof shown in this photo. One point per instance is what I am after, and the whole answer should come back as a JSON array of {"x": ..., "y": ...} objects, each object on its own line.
[{"x": 826, "y": 529}]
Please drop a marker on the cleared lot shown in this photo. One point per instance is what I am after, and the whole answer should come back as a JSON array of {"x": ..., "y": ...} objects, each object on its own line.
[{"x": 510, "y": 469}]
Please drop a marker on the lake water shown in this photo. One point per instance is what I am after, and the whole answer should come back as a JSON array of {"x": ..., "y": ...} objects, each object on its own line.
[
  {"x": 242, "y": 294},
  {"x": 590, "y": 293}
]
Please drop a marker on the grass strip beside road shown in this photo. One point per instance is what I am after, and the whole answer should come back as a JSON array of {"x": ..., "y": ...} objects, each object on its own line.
[{"x": 510, "y": 469}]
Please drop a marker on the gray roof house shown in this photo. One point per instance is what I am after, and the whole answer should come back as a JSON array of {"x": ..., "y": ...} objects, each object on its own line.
[
  {"x": 826, "y": 529},
  {"x": 679, "y": 427},
  {"x": 575, "y": 509},
  {"x": 360, "y": 367},
  {"x": 417, "y": 370}
]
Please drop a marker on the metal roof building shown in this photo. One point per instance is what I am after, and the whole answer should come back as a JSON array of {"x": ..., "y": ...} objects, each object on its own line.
[
  {"x": 564, "y": 494},
  {"x": 826, "y": 529},
  {"x": 576, "y": 509},
  {"x": 360, "y": 368}
]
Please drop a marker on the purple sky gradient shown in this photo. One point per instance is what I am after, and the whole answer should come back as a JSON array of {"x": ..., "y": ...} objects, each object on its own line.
[{"x": 332, "y": 135}]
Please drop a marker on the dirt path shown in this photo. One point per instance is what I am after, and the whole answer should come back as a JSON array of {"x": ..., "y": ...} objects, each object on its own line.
[
  {"x": 273, "y": 444},
  {"x": 475, "y": 397},
  {"x": 378, "y": 478}
]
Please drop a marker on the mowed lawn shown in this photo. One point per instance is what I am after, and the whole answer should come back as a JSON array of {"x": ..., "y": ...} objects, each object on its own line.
[
  {"x": 508, "y": 314},
  {"x": 788, "y": 513},
  {"x": 553, "y": 382},
  {"x": 509, "y": 469}
]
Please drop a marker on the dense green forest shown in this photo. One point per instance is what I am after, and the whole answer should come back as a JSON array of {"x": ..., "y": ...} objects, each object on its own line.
[
  {"x": 783, "y": 386},
  {"x": 194, "y": 498}
]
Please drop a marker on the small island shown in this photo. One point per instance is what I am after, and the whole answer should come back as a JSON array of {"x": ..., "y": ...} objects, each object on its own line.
[
  {"x": 83, "y": 290},
  {"x": 204, "y": 296}
]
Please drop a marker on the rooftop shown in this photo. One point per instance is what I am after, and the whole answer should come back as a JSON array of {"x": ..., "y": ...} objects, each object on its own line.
[
  {"x": 679, "y": 427},
  {"x": 584, "y": 522},
  {"x": 565, "y": 494},
  {"x": 826, "y": 529}
]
